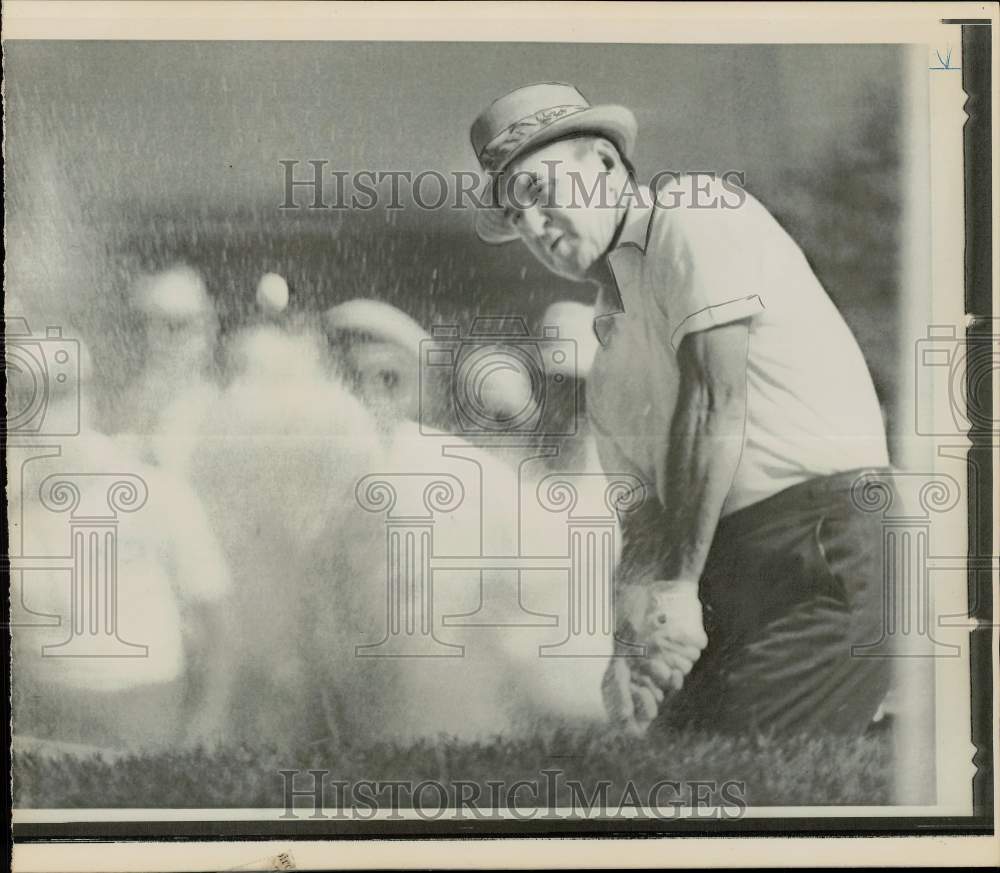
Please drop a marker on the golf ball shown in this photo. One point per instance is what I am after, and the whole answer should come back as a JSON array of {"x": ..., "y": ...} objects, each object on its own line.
[{"x": 272, "y": 293}]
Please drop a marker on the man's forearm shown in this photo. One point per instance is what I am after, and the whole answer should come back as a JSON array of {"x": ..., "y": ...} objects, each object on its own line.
[
  {"x": 706, "y": 441},
  {"x": 671, "y": 539},
  {"x": 705, "y": 449},
  {"x": 644, "y": 539}
]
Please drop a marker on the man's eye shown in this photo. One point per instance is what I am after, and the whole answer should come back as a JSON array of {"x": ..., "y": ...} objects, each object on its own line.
[
  {"x": 529, "y": 192},
  {"x": 532, "y": 193}
]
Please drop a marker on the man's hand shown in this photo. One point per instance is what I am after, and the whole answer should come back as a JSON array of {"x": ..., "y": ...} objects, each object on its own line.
[{"x": 666, "y": 618}]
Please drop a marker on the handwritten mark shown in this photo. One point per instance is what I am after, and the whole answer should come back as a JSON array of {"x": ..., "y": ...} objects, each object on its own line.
[
  {"x": 284, "y": 861},
  {"x": 944, "y": 63}
]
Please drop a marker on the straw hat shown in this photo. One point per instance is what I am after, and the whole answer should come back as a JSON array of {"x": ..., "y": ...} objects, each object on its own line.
[{"x": 530, "y": 117}]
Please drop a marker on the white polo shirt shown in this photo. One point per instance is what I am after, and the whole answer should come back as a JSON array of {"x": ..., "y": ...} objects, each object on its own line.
[{"x": 811, "y": 405}]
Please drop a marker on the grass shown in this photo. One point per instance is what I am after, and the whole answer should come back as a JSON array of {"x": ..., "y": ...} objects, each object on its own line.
[{"x": 796, "y": 771}]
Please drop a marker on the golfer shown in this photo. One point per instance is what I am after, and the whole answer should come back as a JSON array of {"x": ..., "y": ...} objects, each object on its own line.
[{"x": 727, "y": 381}]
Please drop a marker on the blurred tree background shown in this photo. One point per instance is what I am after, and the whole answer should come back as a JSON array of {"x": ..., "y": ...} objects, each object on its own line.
[{"x": 846, "y": 214}]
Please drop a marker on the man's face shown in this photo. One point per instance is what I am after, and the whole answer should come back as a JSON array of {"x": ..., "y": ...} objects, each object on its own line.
[
  {"x": 180, "y": 344},
  {"x": 562, "y": 201}
]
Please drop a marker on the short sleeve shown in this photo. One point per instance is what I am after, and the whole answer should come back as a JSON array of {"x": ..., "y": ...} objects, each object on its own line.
[{"x": 708, "y": 259}]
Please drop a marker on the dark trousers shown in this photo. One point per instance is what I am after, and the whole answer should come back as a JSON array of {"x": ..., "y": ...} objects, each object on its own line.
[{"x": 791, "y": 584}]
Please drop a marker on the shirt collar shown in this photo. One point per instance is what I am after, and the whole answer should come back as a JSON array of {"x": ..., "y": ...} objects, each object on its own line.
[
  {"x": 634, "y": 232},
  {"x": 638, "y": 220}
]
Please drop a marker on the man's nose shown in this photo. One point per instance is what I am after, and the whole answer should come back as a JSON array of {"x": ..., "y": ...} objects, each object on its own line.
[{"x": 534, "y": 221}]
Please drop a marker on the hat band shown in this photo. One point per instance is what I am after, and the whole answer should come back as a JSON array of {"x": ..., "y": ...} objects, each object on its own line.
[{"x": 495, "y": 152}]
